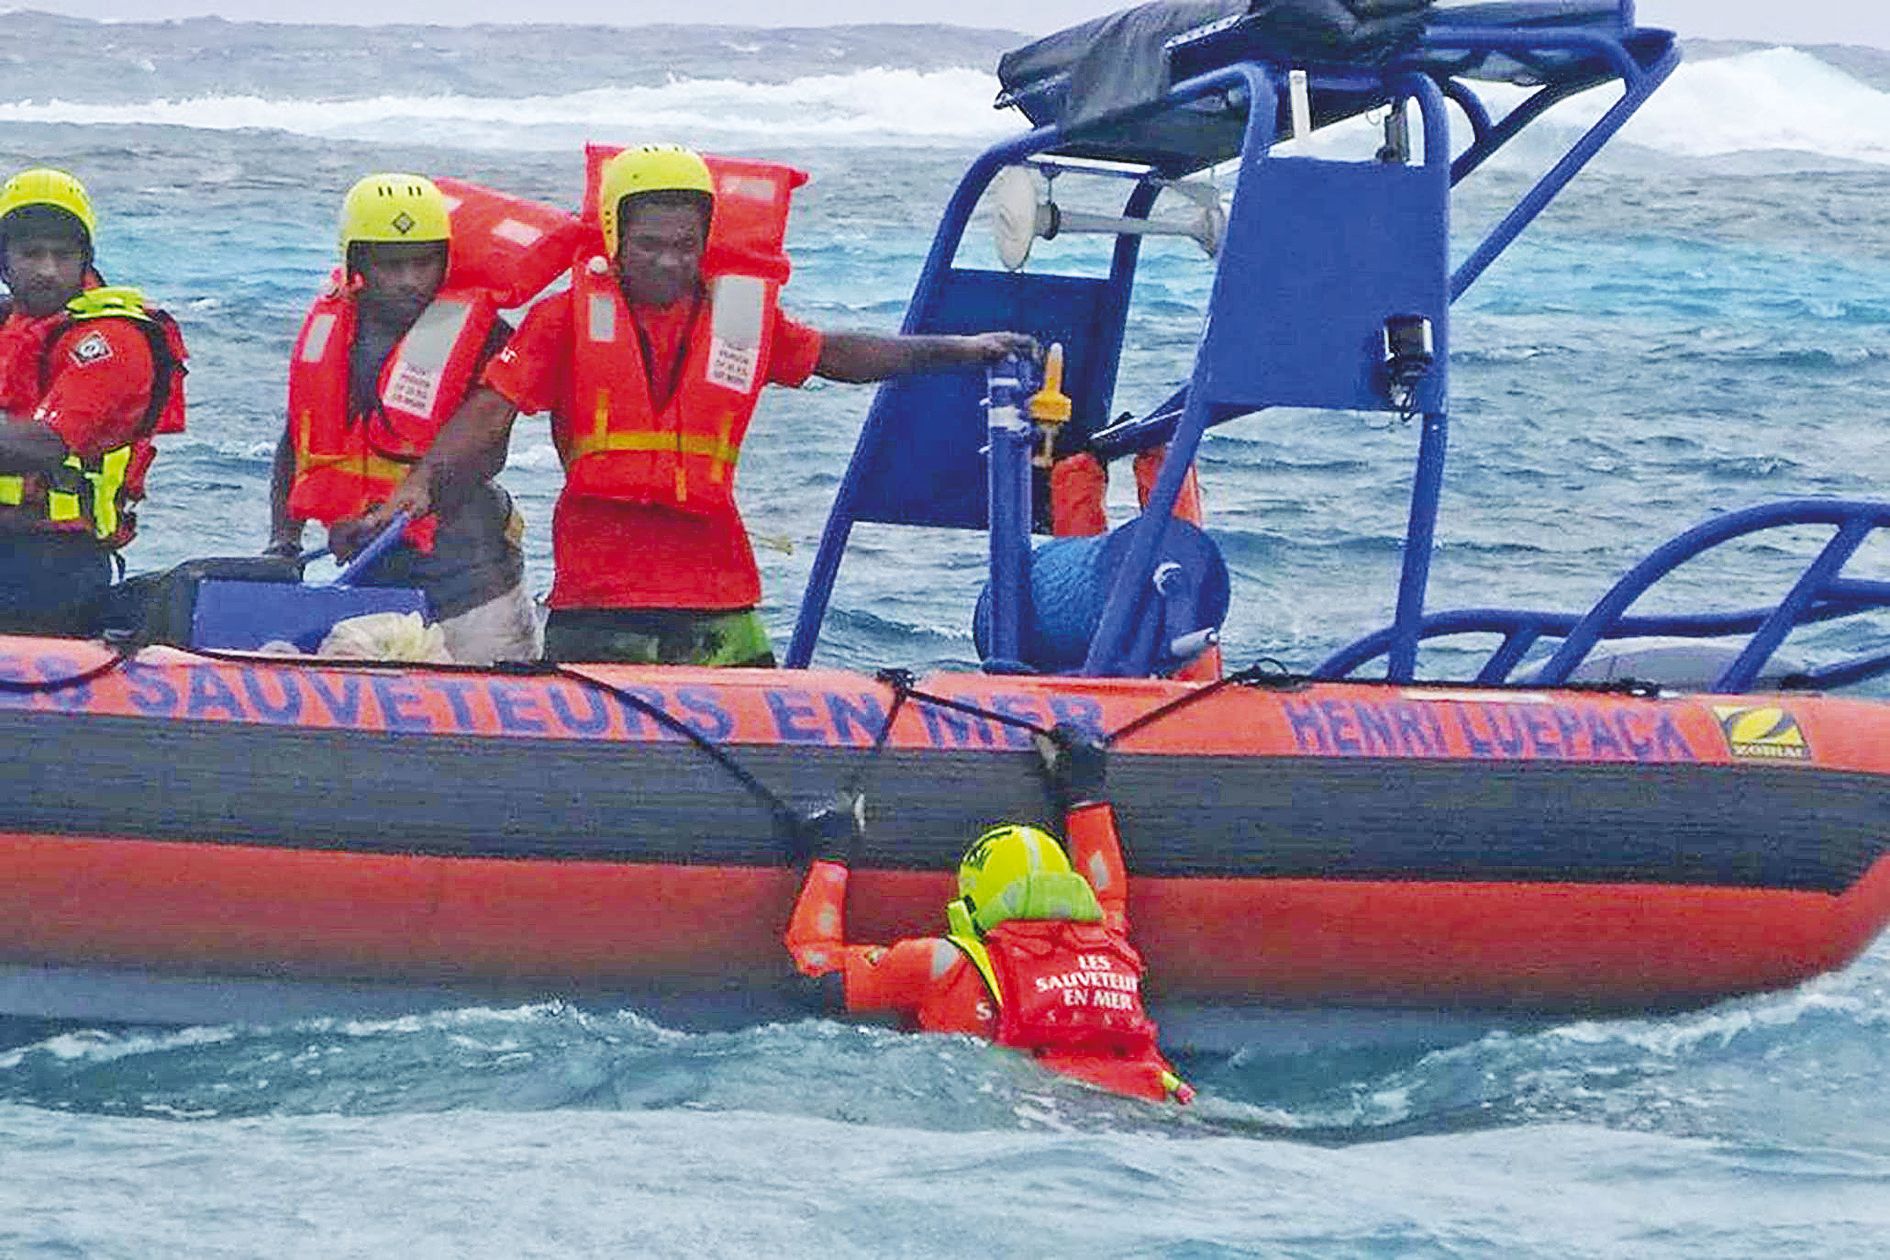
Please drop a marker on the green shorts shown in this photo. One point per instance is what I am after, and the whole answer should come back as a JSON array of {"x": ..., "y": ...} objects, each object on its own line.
[{"x": 658, "y": 636}]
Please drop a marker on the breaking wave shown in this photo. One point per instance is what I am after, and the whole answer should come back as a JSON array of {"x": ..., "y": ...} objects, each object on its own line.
[{"x": 873, "y": 106}]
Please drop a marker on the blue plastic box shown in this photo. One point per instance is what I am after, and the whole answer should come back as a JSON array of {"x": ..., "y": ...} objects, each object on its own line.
[{"x": 242, "y": 616}]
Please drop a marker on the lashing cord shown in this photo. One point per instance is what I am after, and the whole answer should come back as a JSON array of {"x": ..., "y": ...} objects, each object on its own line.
[
  {"x": 1265, "y": 672},
  {"x": 789, "y": 822},
  {"x": 792, "y": 826},
  {"x": 795, "y": 828},
  {"x": 121, "y": 653}
]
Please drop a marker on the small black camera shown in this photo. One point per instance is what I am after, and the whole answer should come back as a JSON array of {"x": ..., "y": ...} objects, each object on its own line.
[{"x": 1409, "y": 352}]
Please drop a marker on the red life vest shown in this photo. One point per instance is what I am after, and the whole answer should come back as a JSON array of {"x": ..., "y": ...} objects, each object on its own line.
[
  {"x": 345, "y": 463},
  {"x": 622, "y": 444},
  {"x": 1065, "y": 986},
  {"x": 97, "y": 493},
  {"x": 27, "y": 345},
  {"x": 504, "y": 250},
  {"x": 506, "y": 246},
  {"x": 1071, "y": 995}
]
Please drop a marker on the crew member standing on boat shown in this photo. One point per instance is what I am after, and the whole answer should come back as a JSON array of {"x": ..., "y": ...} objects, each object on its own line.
[
  {"x": 87, "y": 375},
  {"x": 385, "y": 355},
  {"x": 651, "y": 367},
  {"x": 1036, "y": 955}
]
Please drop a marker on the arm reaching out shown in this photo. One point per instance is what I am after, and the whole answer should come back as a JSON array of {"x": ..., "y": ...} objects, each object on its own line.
[
  {"x": 857, "y": 979},
  {"x": 859, "y": 358},
  {"x": 1076, "y": 766},
  {"x": 1096, "y": 855},
  {"x": 469, "y": 449}
]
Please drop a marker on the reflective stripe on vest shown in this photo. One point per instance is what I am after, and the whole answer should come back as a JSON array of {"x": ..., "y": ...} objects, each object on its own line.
[
  {"x": 618, "y": 444},
  {"x": 97, "y": 505},
  {"x": 421, "y": 367},
  {"x": 92, "y": 490}
]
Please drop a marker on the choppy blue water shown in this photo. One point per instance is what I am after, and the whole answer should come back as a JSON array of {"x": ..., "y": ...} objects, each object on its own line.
[{"x": 1702, "y": 323}]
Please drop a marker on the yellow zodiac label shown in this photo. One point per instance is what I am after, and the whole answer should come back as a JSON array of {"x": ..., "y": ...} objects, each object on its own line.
[{"x": 1767, "y": 733}]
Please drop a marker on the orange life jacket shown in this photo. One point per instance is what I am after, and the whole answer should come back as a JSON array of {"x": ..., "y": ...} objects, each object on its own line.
[
  {"x": 504, "y": 250},
  {"x": 624, "y": 445},
  {"x": 1068, "y": 986},
  {"x": 345, "y": 463},
  {"x": 506, "y": 246}
]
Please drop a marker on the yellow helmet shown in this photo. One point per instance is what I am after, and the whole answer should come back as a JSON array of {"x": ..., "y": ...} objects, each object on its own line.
[
  {"x": 1002, "y": 856},
  {"x": 394, "y": 208},
  {"x": 646, "y": 169},
  {"x": 43, "y": 186}
]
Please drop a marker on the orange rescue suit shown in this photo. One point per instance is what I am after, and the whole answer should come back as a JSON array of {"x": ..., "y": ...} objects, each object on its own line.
[{"x": 935, "y": 987}]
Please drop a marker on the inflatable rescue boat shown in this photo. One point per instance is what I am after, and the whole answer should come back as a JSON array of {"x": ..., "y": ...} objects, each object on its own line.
[{"x": 197, "y": 831}]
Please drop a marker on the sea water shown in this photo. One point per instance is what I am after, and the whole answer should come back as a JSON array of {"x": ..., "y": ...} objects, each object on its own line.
[{"x": 1701, "y": 323}]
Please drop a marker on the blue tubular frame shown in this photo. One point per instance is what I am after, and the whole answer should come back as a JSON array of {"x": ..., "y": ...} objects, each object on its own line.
[
  {"x": 1261, "y": 85},
  {"x": 1639, "y": 85},
  {"x": 1821, "y": 594},
  {"x": 1433, "y": 439},
  {"x": 1113, "y": 643},
  {"x": 938, "y": 261},
  {"x": 1099, "y": 381}
]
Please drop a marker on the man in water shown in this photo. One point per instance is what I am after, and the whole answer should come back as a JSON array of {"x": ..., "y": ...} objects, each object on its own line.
[
  {"x": 650, "y": 367},
  {"x": 385, "y": 356},
  {"x": 1036, "y": 956},
  {"x": 87, "y": 375}
]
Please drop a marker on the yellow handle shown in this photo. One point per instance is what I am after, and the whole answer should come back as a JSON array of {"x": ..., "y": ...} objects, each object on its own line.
[{"x": 1050, "y": 407}]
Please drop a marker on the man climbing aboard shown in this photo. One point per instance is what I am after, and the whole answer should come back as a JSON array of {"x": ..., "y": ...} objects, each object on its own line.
[
  {"x": 651, "y": 366},
  {"x": 1036, "y": 955},
  {"x": 87, "y": 375}
]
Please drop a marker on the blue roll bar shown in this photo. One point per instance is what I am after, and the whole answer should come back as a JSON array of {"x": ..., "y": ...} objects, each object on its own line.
[
  {"x": 1260, "y": 86},
  {"x": 1820, "y": 594}
]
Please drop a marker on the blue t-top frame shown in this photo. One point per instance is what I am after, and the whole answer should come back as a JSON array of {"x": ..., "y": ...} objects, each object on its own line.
[{"x": 1317, "y": 255}]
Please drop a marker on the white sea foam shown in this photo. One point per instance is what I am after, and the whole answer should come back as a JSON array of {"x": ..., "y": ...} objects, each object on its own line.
[
  {"x": 1773, "y": 99},
  {"x": 1778, "y": 98},
  {"x": 864, "y": 107}
]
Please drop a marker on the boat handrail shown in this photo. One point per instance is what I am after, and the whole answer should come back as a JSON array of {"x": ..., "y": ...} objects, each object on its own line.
[{"x": 1820, "y": 594}]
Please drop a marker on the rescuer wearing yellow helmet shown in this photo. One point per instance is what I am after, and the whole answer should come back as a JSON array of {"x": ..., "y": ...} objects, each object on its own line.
[
  {"x": 1036, "y": 954},
  {"x": 387, "y": 353},
  {"x": 650, "y": 367},
  {"x": 87, "y": 375}
]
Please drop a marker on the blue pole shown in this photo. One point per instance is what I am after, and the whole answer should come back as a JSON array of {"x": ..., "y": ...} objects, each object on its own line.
[
  {"x": 379, "y": 546},
  {"x": 1008, "y": 478},
  {"x": 1420, "y": 534},
  {"x": 1420, "y": 531}
]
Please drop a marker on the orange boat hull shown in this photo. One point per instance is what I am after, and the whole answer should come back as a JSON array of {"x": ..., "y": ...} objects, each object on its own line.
[{"x": 1319, "y": 845}]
